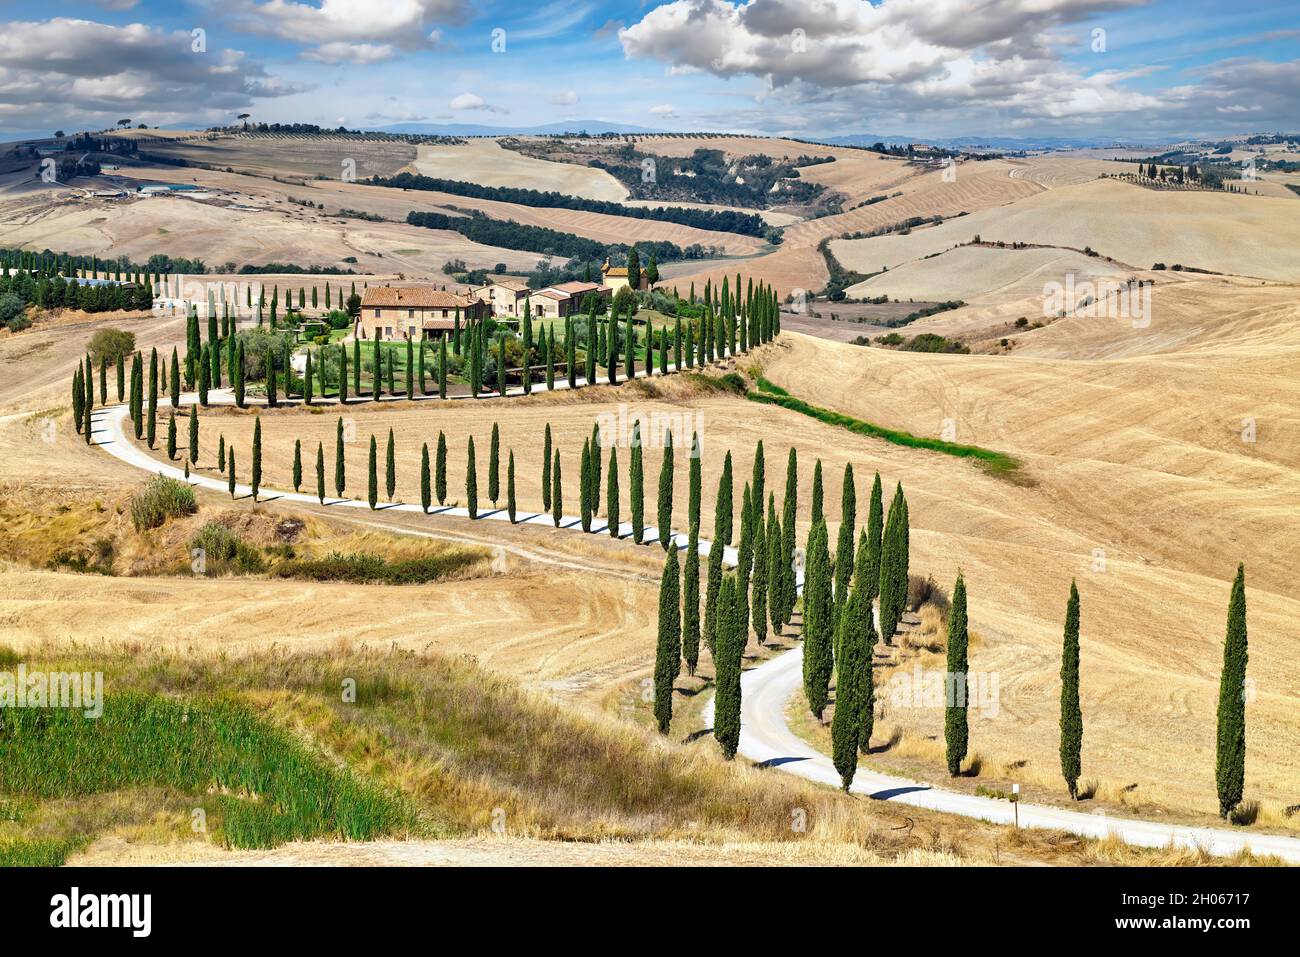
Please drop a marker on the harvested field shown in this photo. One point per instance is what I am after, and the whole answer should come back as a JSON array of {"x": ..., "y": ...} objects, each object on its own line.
[{"x": 485, "y": 161}]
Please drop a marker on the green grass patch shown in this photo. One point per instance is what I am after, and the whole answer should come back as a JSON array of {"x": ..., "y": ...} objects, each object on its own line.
[
  {"x": 998, "y": 464},
  {"x": 264, "y": 787},
  {"x": 374, "y": 569}
]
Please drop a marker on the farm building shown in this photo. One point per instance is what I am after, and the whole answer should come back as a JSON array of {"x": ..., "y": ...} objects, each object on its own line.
[{"x": 397, "y": 311}]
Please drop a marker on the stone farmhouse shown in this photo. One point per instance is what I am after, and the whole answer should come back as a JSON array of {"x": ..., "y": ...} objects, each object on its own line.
[{"x": 395, "y": 312}]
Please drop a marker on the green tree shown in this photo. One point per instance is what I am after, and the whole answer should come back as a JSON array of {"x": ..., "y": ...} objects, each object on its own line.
[
  {"x": 1230, "y": 745},
  {"x": 728, "y": 659},
  {"x": 691, "y": 603},
  {"x": 775, "y": 576},
  {"x": 788, "y": 512},
  {"x": 175, "y": 380},
  {"x": 665, "y": 512},
  {"x": 860, "y": 598},
  {"x": 256, "y": 482},
  {"x": 817, "y": 513},
  {"x": 426, "y": 490},
  {"x": 758, "y": 584},
  {"x": 297, "y": 465},
  {"x": 693, "y": 493},
  {"x": 875, "y": 529},
  {"x": 372, "y": 471},
  {"x": 557, "y": 490},
  {"x": 613, "y": 513},
  {"x": 194, "y": 435},
  {"x": 637, "y": 486},
  {"x": 846, "y": 722},
  {"x": 724, "y": 509},
  {"x": 440, "y": 470},
  {"x": 955, "y": 730},
  {"x": 231, "y": 482},
  {"x": 510, "y": 487},
  {"x": 546, "y": 470},
  {"x": 390, "y": 467},
  {"x": 668, "y": 649},
  {"x": 494, "y": 466},
  {"x": 818, "y": 621},
  {"x": 320, "y": 472},
  {"x": 712, "y": 588},
  {"x": 340, "y": 468},
  {"x": 1071, "y": 712},
  {"x": 471, "y": 482},
  {"x": 151, "y": 428},
  {"x": 844, "y": 541},
  {"x": 171, "y": 435},
  {"x": 584, "y": 484}
]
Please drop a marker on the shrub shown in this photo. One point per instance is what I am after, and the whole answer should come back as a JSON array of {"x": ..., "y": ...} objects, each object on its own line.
[
  {"x": 224, "y": 551},
  {"x": 921, "y": 591},
  {"x": 111, "y": 345},
  {"x": 162, "y": 498},
  {"x": 1244, "y": 814},
  {"x": 365, "y": 567}
]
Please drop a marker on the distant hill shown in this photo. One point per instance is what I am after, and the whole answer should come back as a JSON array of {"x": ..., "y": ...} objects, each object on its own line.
[
  {"x": 546, "y": 129},
  {"x": 984, "y": 142}
]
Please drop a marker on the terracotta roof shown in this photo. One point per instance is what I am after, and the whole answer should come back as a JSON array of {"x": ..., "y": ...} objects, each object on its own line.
[
  {"x": 510, "y": 282},
  {"x": 614, "y": 270},
  {"x": 414, "y": 297},
  {"x": 553, "y": 294},
  {"x": 575, "y": 288}
]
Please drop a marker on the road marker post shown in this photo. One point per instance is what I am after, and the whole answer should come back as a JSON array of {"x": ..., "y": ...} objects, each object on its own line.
[{"x": 1015, "y": 803}]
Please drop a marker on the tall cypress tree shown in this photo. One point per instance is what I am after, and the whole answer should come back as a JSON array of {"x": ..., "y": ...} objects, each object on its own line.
[
  {"x": 426, "y": 488},
  {"x": 1230, "y": 744},
  {"x": 151, "y": 426},
  {"x": 442, "y": 368},
  {"x": 818, "y": 621},
  {"x": 171, "y": 434},
  {"x": 471, "y": 482},
  {"x": 546, "y": 469},
  {"x": 637, "y": 486},
  {"x": 788, "y": 512},
  {"x": 693, "y": 493},
  {"x": 691, "y": 603},
  {"x": 759, "y": 480},
  {"x": 340, "y": 468},
  {"x": 320, "y": 472},
  {"x": 510, "y": 487},
  {"x": 175, "y": 380},
  {"x": 846, "y": 723},
  {"x": 955, "y": 730},
  {"x": 844, "y": 541},
  {"x": 221, "y": 453},
  {"x": 256, "y": 481},
  {"x": 372, "y": 472},
  {"x": 410, "y": 366},
  {"x": 613, "y": 514},
  {"x": 758, "y": 584},
  {"x": 712, "y": 588},
  {"x": 875, "y": 529},
  {"x": 194, "y": 436},
  {"x": 597, "y": 450},
  {"x": 557, "y": 490},
  {"x": 230, "y": 484},
  {"x": 390, "y": 467},
  {"x": 724, "y": 509},
  {"x": 584, "y": 482},
  {"x": 440, "y": 470},
  {"x": 744, "y": 556},
  {"x": 817, "y": 513},
  {"x": 775, "y": 576},
  {"x": 728, "y": 658},
  {"x": 668, "y": 648},
  {"x": 297, "y": 465},
  {"x": 860, "y": 597},
  {"x": 1071, "y": 712},
  {"x": 494, "y": 466},
  {"x": 665, "y": 513}
]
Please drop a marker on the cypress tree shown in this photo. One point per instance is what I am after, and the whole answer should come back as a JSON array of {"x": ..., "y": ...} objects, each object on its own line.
[
  {"x": 550, "y": 357},
  {"x": 691, "y": 603},
  {"x": 392, "y": 389},
  {"x": 471, "y": 482},
  {"x": 1230, "y": 744},
  {"x": 194, "y": 435},
  {"x": 376, "y": 368},
  {"x": 629, "y": 347},
  {"x": 86, "y": 426},
  {"x": 759, "y": 480},
  {"x": 390, "y": 467},
  {"x": 612, "y": 510},
  {"x": 442, "y": 368},
  {"x": 546, "y": 470},
  {"x": 817, "y": 513},
  {"x": 271, "y": 397},
  {"x": 151, "y": 427},
  {"x": 893, "y": 567},
  {"x": 205, "y": 376},
  {"x": 1071, "y": 712},
  {"x": 665, "y": 513},
  {"x": 297, "y": 465},
  {"x": 237, "y": 380},
  {"x": 693, "y": 492},
  {"x": 864, "y": 585},
  {"x": 724, "y": 508},
  {"x": 171, "y": 435},
  {"x": 875, "y": 528},
  {"x": 758, "y": 584},
  {"x": 221, "y": 453},
  {"x": 78, "y": 398},
  {"x": 557, "y": 490},
  {"x": 844, "y": 541},
  {"x": 637, "y": 486},
  {"x": 356, "y": 367},
  {"x": 846, "y": 723},
  {"x": 372, "y": 472},
  {"x": 410, "y": 366},
  {"x": 440, "y": 470},
  {"x": 510, "y": 487},
  {"x": 426, "y": 491},
  {"x": 597, "y": 449},
  {"x": 955, "y": 730},
  {"x": 120, "y": 365},
  {"x": 818, "y": 621},
  {"x": 256, "y": 481},
  {"x": 571, "y": 355},
  {"x": 320, "y": 472},
  {"x": 308, "y": 381},
  {"x": 340, "y": 467},
  {"x": 176, "y": 379},
  {"x": 668, "y": 649},
  {"x": 584, "y": 482},
  {"x": 611, "y": 347},
  {"x": 230, "y": 484},
  {"x": 775, "y": 576},
  {"x": 728, "y": 659},
  {"x": 744, "y": 556},
  {"x": 712, "y": 587},
  {"x": 494, "y": 466}
]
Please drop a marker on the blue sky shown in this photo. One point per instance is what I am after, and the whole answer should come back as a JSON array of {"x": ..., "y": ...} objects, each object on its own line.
[{"x": 1159, "y": 69}]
